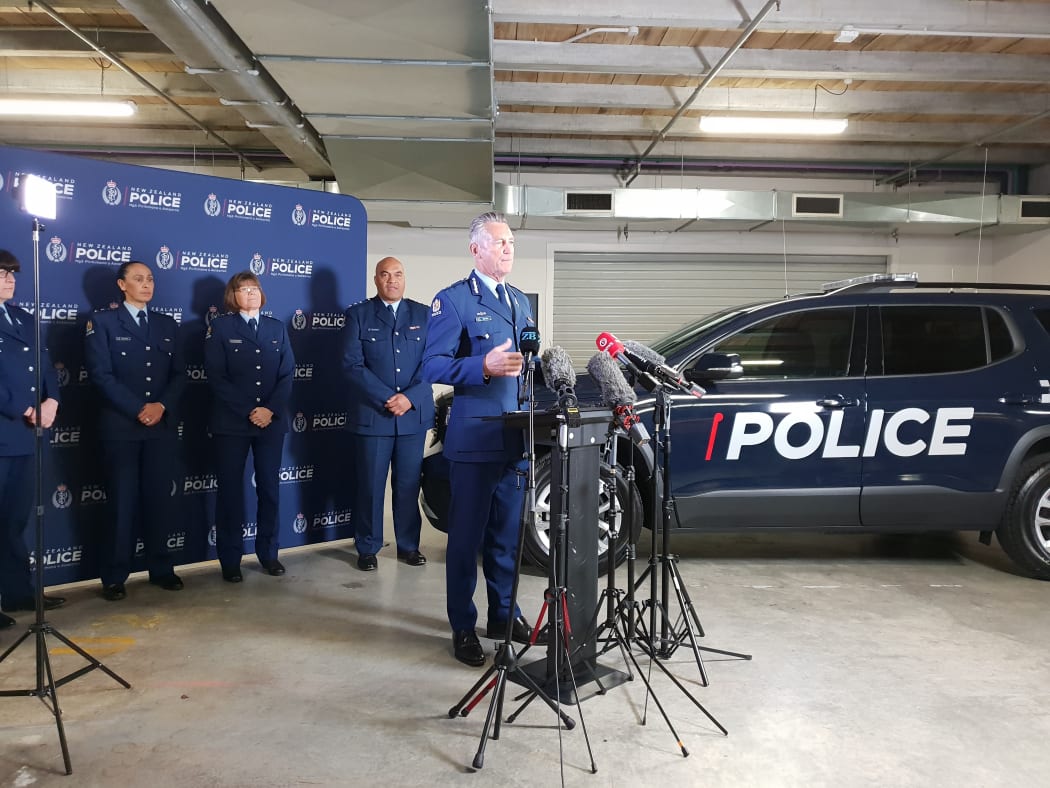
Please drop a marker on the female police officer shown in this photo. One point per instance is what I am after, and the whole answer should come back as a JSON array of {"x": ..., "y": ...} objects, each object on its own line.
[
  {"x": 134, "y": 361},
  {"x": 250, "y": 367}
]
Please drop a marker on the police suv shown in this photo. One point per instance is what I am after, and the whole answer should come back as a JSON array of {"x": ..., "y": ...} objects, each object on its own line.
[{"x": 881, "y": 404}]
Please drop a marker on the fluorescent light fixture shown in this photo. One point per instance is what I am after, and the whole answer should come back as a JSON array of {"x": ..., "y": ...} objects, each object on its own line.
[
  {"x": 67, "y": 109},
  {"x": 847, "y": 35},
  {"x": 724, "y": 124}
]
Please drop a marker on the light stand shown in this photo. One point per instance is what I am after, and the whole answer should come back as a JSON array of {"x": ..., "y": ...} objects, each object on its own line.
[{"x": 46, "y": 684}]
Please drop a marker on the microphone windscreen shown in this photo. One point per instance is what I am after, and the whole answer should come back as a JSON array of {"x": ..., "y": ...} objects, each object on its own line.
[
  {"x": 529, "y": 340},
  {"x": 614, "y": 387},
  {"x": 643, "y": 351},
  {"x": 557, "y": 369}
]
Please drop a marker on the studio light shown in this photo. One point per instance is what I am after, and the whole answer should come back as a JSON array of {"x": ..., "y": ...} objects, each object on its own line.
[
  {"x": 723, "y": 124},
  {"x": 67, "y": 109}
]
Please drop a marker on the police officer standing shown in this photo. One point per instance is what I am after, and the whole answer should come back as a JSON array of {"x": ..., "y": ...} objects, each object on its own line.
[
  {"x": 472, "y": 345},
  {"x": 134, "y": 361},
  {"x": 18, "y": 408},
  {"x": 391, "y": 409},
  {"x": 250, "y": 366}
]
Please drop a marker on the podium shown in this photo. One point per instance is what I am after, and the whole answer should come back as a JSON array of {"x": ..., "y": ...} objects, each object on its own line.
[{"x": 575, "y": 451}]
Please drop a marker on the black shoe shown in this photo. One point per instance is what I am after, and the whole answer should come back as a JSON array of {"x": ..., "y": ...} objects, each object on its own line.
[
  {"x": 114, "y": 592},
  {"x": 232, "y": 575},
  {"x": 521, "y": 632},
  {"x": 6, "y": 621},
  {"x": 367, "y": 562},
  {"x": 50, "y": 603},
  {"x": 170, "y": 582},
  {"x": 467, "y": 648},
  {"x": 412, "y": 557},
  {"x": 274, "y": 567}
]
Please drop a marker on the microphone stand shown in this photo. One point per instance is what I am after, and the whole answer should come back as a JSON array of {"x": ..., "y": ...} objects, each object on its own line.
[
  {"x": 505, "y": 661},
  {"x": 46, "y": 687}
]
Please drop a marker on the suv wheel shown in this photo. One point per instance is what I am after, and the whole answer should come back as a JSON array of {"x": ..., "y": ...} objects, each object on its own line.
[
  {"x": 1024, "y": 532},
  {"x": 537, "y": 538}
]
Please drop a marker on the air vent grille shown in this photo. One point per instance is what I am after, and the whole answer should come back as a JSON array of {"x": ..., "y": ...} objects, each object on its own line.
[
  {"x": 816, "y": 205},
  {"x": 589, "y": 202},
  {"x": 1035, "y": 209}
]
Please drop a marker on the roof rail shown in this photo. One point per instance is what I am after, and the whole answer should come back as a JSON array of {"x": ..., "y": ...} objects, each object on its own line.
[
  {"x": 871, "y": 282},
  {"x": 980, "y": 286}
]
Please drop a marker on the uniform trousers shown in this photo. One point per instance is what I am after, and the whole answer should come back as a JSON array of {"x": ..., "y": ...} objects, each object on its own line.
[
  {"x": 484, "y": 514},
  {"x": 16, "y": 503},
  {"x": 231, "y": 452},
  {"x": 403, "y": 456},
  {"x": 139, "y": 491}
]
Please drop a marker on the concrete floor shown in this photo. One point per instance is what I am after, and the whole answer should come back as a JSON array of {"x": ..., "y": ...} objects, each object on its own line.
[{"x": 877, "y": 661}]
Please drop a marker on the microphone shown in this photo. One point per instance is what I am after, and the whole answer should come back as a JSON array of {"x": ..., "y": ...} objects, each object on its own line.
[
  {"x": 653, "y": 363},
  {"x": 607, "y": 343},
  {"x": 529, "y": 344},
  {"x": 560, "y": 378},
  {"x": 618, "y": 395}
]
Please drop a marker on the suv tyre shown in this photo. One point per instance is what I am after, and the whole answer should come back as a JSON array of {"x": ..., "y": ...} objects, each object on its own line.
[{"x": 1024, "y": 532}]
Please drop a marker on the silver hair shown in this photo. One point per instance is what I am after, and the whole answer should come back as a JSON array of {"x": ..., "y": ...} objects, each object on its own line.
[{"x": 489, "y": 217}]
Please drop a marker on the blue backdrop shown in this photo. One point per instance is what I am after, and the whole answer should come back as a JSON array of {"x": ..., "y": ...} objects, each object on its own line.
[{"x": 308, "y": 250}]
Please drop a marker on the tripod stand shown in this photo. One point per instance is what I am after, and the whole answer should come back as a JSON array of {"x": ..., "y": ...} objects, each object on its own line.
[
  {"x": 46, "y": 685},
  {"x": 687, "y": 628},
  {"x": 505, "y": 663}
]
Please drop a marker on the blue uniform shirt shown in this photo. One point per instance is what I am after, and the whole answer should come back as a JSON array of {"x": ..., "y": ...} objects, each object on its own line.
[{"x": 18, "y": 381}]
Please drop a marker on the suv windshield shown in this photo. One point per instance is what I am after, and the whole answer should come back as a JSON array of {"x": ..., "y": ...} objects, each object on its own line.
[{"x": 685, "y": 335}]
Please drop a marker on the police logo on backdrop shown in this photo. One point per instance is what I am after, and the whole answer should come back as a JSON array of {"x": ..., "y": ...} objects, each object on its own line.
[
  {"x": 111, "y": 194},
  {"x": 290, "y": 266},
  {"x": 329, "y": 320},
  {"x": 298, "y": 216},
  {"x": 65, "y": 437},
  {"x": 303, "y": 372},
  {"x": 101, "y": 254},
  {"x": 56, "y": 250},
  {"x": 299, "y": 524},
  {"x": 298, "y": 320},
  {"x": 62, "y": 373},
  {"x": 61, "y": 557},
  {"x": 174, "y": 312},
  {"x": 202, "y": 260},
  {"x": 299, "y": 422},
  {"x": 154, "y": 199},
  {"x": 165, "y": 259},
  {"x": 293, "y": 474},
  {"x": 211, "y": 536},
  {"x": 51, "y": 312},
  {"x": 61, "y": 498},
  {"x": 257, "y": 265},
  {"x": 330, "y": 220},
  {"x": 212, "y": 206}
]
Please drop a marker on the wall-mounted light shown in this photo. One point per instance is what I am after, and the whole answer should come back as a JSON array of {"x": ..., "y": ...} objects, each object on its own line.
[
  {"x": 738, "y": 124},
  {"x": 67, "y": 108}
]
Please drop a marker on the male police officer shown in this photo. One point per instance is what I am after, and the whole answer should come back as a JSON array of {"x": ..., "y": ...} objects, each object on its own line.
[
  {"x": 391, "y": 409},
  {"x": 134, "y": 361},
  {"x": 19, "y": 400},
  {"x": 471, "y": 345}
]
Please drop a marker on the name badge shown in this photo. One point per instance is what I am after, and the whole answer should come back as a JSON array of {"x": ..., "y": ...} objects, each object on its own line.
[
  {"x": 122, "y": 339},
  {"x": 236, "y": 341}
]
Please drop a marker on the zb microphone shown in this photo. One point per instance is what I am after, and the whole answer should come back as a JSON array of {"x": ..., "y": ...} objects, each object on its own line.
[
  {"x": 618, "y": 395},
  {"x": 529, "y": 343}
]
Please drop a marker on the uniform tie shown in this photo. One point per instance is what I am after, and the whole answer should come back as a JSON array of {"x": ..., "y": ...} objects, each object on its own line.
[
  {"x": 390, "y": 308},
  {"x": 253, "y": 324},
  {"x": 7, "y": 317},
  {"x": 142, "y": 320},
  {"x": 501, "y": 294}
]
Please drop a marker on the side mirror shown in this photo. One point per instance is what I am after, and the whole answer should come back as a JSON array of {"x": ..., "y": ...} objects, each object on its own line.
[{"x": 715, "y": 366}]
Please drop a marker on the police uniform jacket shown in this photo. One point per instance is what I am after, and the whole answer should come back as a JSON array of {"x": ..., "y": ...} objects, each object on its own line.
[
  {"x": 383, "y": 356},
  {"x": 466, "y": 322},
  {"x": 18, "y": 381},
  {"x": 246, "y": 370},
  {"x": 131, "y": 367}
]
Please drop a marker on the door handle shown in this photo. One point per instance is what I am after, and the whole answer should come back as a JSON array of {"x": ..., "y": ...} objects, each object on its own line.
[
  {"x": 1020, "y": 399},
  {"x": 837, "y": 401}
]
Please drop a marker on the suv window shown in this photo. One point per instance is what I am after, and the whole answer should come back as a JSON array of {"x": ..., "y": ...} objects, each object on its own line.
[
  {"x": 811, "y": 344},
  {"x": 924, "y": 340}
]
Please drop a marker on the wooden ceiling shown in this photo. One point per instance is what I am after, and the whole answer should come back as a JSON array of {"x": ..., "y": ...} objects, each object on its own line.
[{"x": 948, "y": 83}]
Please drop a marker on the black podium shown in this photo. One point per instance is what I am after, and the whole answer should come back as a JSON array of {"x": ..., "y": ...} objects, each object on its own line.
[{"x": 575, "y": 445}]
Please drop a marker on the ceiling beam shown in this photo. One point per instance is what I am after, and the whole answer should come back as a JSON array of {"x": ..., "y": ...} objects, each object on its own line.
[
  {"x": 736, "y": 99},
  {"x": 985, "y": 17},
  {"x": 129, "y": 44},
  {"x": 770, "y": 64}
]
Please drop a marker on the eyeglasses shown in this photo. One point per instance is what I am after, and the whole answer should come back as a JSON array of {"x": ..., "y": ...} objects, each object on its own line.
[
  {"x": 248, "y": 290},
  {"x": 5, "y": 275}
]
